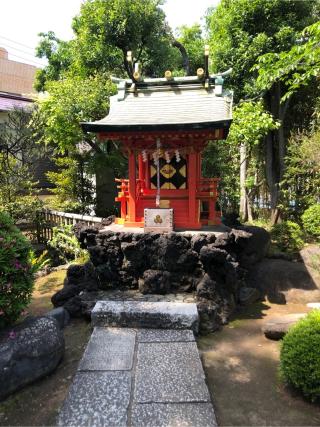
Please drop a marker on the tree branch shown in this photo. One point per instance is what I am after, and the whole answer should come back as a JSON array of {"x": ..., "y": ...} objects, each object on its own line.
[
  {"x": 93, "y": 145},
  {"x": 185, "y": 57}
]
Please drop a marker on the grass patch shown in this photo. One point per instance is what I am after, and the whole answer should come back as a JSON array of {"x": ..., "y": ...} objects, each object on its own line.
[{"x": 44, "y": 288}]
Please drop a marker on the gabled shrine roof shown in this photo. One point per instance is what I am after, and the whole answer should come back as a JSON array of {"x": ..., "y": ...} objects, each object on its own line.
[{"x": 159, "y": 104}]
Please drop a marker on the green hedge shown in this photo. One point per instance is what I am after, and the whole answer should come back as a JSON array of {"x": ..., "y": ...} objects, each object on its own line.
[
  {"x": 16, "y": 271},
  {"x": 311, "y": 221},
  {"x": 288, "y": 236},
  {"x": 300, "y": 356}
]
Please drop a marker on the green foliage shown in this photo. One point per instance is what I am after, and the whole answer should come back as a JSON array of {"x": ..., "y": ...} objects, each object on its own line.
[
  {"x": 242, "y": 30},
  {"x": 301, "y": 181},
  {"x": 297, "y": 67},
  {"x": 66, "y": 243},
  {"x": 300, "y": 356},
  {"x": 104, "y": 31},
  {"x": 18, "y": 153},
  {"x": 193, "y": 42},
  {"x": 70, "y": 102},
  {"x": 40, "y": 262},
  {"x": 74, "y": 189},
  {"x": 311, "y": 221},
  {"x": 59, "y": 55},
  {"x": 221, "y": 160},
  {"x": 24, "y": 208},
  {"x": 251, "y": 122},
  {"x": 287, "y": 236},
  {"x": 16, "y": 271}
]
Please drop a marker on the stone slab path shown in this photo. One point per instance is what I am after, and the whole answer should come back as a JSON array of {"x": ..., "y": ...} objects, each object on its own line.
[{"x": 139, "y": 377}]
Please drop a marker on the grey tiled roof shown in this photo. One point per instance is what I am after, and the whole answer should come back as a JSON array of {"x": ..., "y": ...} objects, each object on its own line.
[{"x": 166, "y": 107}]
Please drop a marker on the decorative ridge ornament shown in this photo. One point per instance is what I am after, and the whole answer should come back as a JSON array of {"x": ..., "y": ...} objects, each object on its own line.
[{"x": 162, "y": 80}]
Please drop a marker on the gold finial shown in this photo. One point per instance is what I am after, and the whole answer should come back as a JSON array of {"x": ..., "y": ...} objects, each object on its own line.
[
  {"x": 137, "y": 73},
  {"x": 200, "y": 73},
  {"x": 168, "y": 75},
  {"x": 129, "y": 56}
]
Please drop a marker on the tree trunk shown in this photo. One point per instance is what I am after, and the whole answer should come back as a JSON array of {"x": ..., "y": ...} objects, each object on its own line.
[
  {"x": 275, "y": 148},
  {"x": 105, "y": 190},
  {"x": 249, "y": 208},
  {"x": 282, "y": 141},
  {"x": 243, "y": 174}
]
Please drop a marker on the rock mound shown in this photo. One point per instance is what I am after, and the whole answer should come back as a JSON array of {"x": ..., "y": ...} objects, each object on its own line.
[
  {"x": 212, "y": 266},
  {"x": 28, "y": 352}
]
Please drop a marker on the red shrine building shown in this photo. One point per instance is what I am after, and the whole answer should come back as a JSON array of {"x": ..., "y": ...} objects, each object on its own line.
[{"x": 164, "y": 125}]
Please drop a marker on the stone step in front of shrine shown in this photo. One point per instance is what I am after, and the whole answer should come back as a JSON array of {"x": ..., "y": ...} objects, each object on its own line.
[
  {"x": 144, "y": 314},
  {"x": 139, "y": 377}
]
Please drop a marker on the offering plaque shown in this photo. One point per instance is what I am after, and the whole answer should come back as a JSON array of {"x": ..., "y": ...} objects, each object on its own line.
[{"x": 159, "y": 220}]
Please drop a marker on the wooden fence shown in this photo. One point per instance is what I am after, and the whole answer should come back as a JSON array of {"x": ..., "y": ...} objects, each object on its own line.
[{"x": 47, "y": 219}]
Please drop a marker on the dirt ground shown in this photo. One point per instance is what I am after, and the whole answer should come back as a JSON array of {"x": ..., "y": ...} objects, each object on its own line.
[{"x": 241, "y": 366}]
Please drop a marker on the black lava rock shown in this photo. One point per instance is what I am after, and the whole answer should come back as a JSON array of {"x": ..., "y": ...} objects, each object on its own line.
[
  {"x": 155, "y": 282},
  {"x": 29, "y": 351}
]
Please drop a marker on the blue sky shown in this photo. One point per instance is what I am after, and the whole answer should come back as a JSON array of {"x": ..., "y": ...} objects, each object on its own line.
[{"x": 22, "y": 20}]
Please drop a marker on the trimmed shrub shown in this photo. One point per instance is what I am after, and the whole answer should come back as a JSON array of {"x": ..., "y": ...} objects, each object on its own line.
[
  {"x": 16, "y": 271},
  {"x": 300, "y": 356},
  {"x": 311, "y": 220},
  {"x": 288, "y": 236}
]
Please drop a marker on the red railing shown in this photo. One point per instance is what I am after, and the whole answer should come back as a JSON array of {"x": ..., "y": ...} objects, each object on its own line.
[
  {"x": 208, "y": 187},
  {"x": 123, "y": 187}
]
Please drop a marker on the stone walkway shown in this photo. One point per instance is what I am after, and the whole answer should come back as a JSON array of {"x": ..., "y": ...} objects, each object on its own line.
[{"x": 140, "y": 377}]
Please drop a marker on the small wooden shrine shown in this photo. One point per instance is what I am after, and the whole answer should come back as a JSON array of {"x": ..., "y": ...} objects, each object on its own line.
[{"x": 164, "y": 125}]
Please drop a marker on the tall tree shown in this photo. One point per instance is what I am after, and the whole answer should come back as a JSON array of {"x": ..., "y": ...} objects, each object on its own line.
[
  {"x": 242, "y": 30},
  {"x": 105, "y": 30},
  {"x": 77, "y": 77},
  {"x": 250, "y": 125},
  {"x": 69, "y": 102}
]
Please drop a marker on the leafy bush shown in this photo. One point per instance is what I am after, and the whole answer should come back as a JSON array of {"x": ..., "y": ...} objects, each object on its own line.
[
  {"x": 23, "y": 209},
  {"x": 311, "y": 220},
  {"x": 300, "y": 356},
  {"x": 288, "y": 236},
  {"x": 55, "y": 203},
  {"x": 66, "y": 243},
  {"x": 16, "y": 271}
]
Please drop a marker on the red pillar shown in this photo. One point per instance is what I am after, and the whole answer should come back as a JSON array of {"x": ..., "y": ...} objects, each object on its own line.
[
  {"x": 141, "y": 167},
  {"x": 132, "y": 186},
  {"x": 192, "y": 184},
  {"x": 147, "y": 173}
]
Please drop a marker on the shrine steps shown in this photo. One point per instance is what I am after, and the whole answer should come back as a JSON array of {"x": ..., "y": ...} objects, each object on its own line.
[{"x": 148, "y": 376}]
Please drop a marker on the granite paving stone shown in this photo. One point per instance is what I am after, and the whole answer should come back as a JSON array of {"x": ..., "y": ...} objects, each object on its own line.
[
  {"x": 109, "y": 349},
  {"x": 164, "y": 335},
  {"x": 169, "y": 372},
  {"x": 173, "y": 415},
  {"x": 97, "y": 399},
  {"x": 142, "y": 314}
]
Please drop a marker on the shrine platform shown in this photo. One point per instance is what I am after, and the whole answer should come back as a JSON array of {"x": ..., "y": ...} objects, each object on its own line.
[
  {"x": 131, "y": 376},
  {"x": 209, "y": 229}
]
